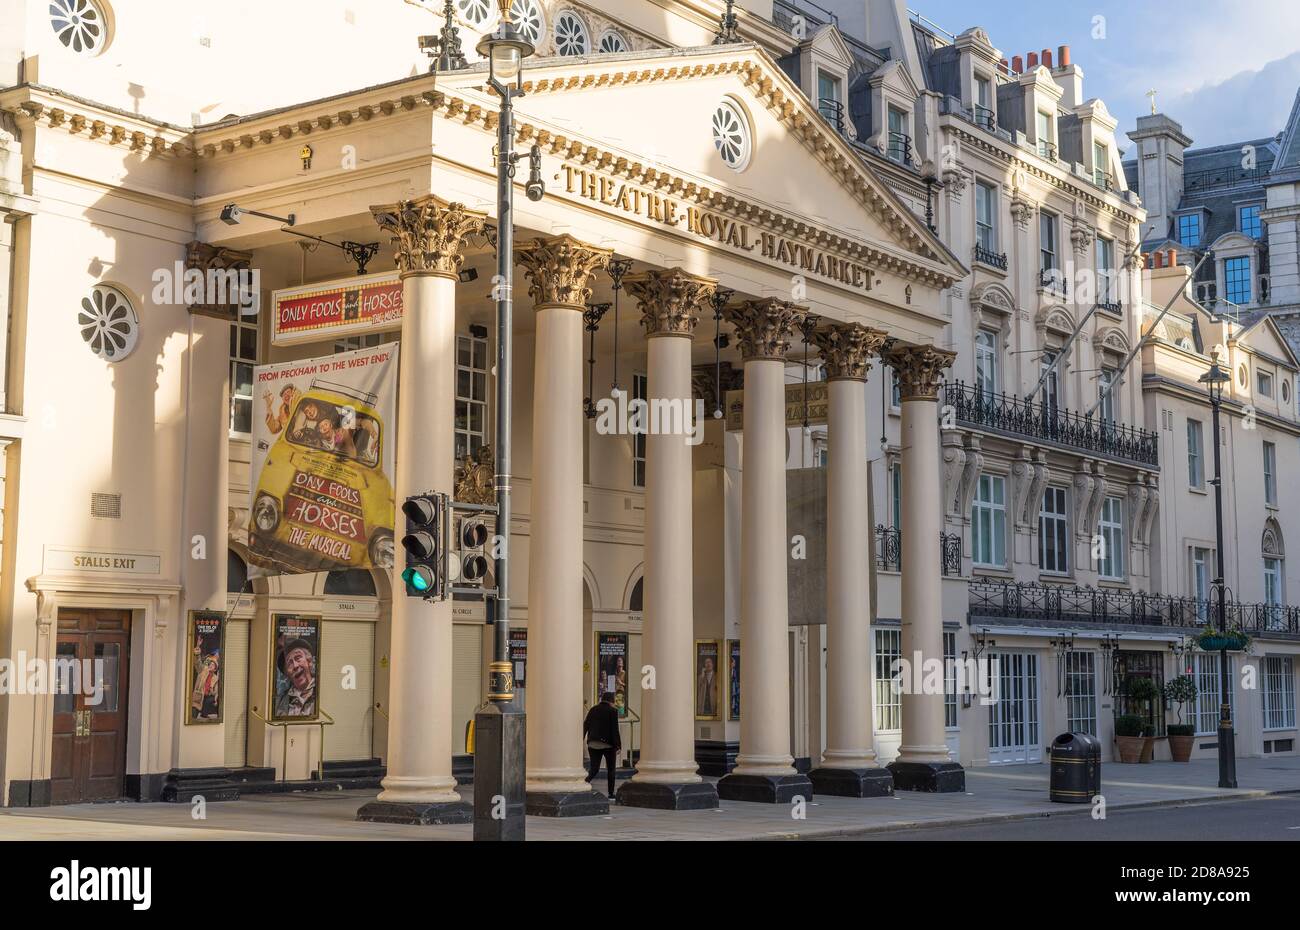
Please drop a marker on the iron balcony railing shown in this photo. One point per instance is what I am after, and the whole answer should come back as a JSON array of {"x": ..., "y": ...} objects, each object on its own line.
[
  {"x": 900, "y": 148},
  {"x": 984, "y": 118},
  {"x": 1111, "y": 306},
  {"x": 832, "y": 111},
  {"x": 1104, "y": 180},
  {"x": 889, "y": 550},
  {"x": 989, "y": 257},
  {"x": 977, "y": 407},
  {"x": 1014, "y": 600},
  {"x": 1053, "y": 279}
]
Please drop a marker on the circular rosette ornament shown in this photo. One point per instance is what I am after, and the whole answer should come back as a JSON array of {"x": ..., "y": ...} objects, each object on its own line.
[{"x": 108, "y": 323}]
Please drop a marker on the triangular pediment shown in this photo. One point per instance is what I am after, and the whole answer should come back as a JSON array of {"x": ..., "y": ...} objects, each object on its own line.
[
  {"x": 1264, "y": 338},
  {"x": 828, "y": 42},
  {"x": 656, "y": 118}
]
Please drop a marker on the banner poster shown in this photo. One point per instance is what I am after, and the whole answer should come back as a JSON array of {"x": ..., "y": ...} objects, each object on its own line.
[
  {"x": 295, "y": 645},
  {"x": 733, "y": 679},
  {"x": 321, "y": 494},
  {"x": 207, "y": 631},
  {"x": 519, "y": 654},
  {"x": 333, "y": 309},
  {"x": 611, "y": 668},
  {"x": 707, "y": 680}
]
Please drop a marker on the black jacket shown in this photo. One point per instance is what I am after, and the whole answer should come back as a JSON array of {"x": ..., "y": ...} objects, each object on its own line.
[{"x": 602, "y": 724}]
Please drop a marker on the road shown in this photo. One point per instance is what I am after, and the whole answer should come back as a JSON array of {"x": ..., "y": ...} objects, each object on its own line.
[{"x": 1271, "y": 818}]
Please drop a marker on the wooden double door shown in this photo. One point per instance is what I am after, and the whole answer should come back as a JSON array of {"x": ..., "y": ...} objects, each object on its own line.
[{"x": 92, "y": 657}]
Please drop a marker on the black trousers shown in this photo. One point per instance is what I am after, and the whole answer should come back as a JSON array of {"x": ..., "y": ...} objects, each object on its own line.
[{"x": 611, "y": 759}]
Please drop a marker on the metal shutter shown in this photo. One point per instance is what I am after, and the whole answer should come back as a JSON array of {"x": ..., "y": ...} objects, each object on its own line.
[
  {"x": 235, "y": 692},
  {"x": 346, "y": 643},
  {"x": 467, "y": 680}
]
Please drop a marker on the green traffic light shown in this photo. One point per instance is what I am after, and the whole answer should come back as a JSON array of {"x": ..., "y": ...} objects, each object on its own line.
[{"x": 417, "y": 578}]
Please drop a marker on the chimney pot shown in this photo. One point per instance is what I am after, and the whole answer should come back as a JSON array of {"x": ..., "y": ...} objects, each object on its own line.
[
  {"x": 1017, "y": 64},
  {"x": 1031, "y": 60},
  {"x": 1173, "y": 258},
  {"x": 1160, "y": 259},
  {"x": 1047, "y": 58},
  {"x": 1006, "y": 66},
  {"x": 1063, "y": 56}
]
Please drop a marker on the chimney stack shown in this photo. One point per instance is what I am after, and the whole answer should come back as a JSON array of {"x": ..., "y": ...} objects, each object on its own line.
[
  {"x": 1017, "y": 64},
  {"x": 1031, "y": 60},
  {"x": 1047, "y": 58}
]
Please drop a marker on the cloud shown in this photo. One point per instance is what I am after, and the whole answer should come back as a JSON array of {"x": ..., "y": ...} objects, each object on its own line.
[{"x": 1248, "y": 105}]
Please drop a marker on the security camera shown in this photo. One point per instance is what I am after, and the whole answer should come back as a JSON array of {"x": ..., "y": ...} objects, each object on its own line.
[
  {"x": 230, "y": 214},
  {"x": 535, "y": 189}
]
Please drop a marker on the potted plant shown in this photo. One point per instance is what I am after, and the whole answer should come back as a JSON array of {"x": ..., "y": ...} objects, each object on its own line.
[
  {"x": 1142, "y": 691},
  {"x": 1181, "y": 691},
  {"x": 1211, "y": 640},
  {"x": 1128, "y": 737}
]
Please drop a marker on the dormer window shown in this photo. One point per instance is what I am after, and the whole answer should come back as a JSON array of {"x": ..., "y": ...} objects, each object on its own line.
[
  {"x": 1236, "y": 280},
  {"x": 983, "y": 104},
  {"x": 1101, "y": 166},
  {"x": 1248, "y": 221},
  {"x": 830, "y": 98},
  {"x": 1189, "y": 230},
  {"x": 1046, "y": 145},
  {"x": 900, "y": 141}
]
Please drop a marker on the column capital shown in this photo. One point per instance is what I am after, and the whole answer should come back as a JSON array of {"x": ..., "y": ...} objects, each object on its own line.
[
  {"x": 670, "y": 300},
  {"x": 428, "y": 233},
  {"x": 559, "y": 270},
  {"x": 846, "y": 348},
  {"x": 919, "y": 368},
  {"x": 764, "y": 327}
]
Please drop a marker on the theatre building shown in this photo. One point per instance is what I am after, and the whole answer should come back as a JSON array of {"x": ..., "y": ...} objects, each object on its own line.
[{"x": 708, "y": 240}]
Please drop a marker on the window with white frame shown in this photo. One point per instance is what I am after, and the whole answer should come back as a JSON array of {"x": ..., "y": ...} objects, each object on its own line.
[
  {"x": 640, "y": 390},
  {"x": 889, "y": 704},
  {"x": 986, "y": 362},
  {"x": 1047, "y": 243},
  {"x": 243, "y": 356},
  {"x": 1101, "y": 165},
  {"x": 1110, "y": 526},
  {"x": 1195, "y": 454},
  {"x": 1106, "y": 395},
  {"x": 949, "y": 680},
  {"x": 895, "y": 390},
  {"x": 1105, "y": 270},
  {"x": 986, "y": 217},
  {"x": 1205, "y": 712},
  {"x": 1054, "y": 533},
  {"x": 1201, "y": 581},
  {"x": 353, "y": 343},
  {"x": 1272, "y": 581},
  {"x": 471, "y": 395},
  {"x": 1270, "y": 473},
  {"x": 1081, "y": 692},
  {"x": 896, "y": 495},
  {"x": 1278, "y": 692},
  {"x": 900, "y": 142},
  {"x": 1264, "y": 382},
  {"x": 989, "y": 522},
  {"x": 1051, "y": 387},
  {"x": 1046, "y": 149}
]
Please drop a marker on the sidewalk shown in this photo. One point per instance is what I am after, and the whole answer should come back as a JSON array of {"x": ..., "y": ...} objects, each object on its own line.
[{"x": 992, "y": 794}]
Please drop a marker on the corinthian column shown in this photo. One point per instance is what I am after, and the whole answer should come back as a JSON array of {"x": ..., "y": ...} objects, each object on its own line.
[
  {"x": 849, "y": 767},
  {"x": 764, "y": 767},
  {"x": 667, "y": 776},
  {"x": 559, "y": 271},
  {"x": 427, "y": 235},
  {"x": 923, "y": 763}
]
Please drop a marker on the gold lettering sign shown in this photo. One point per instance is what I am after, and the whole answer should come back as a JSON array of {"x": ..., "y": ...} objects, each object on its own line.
[
  {"x": 716, "y": 227},
  {"x": 818, "y": 405}
]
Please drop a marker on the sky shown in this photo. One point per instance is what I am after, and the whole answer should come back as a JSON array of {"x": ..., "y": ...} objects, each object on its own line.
[{"x": 1227, "y": 71}]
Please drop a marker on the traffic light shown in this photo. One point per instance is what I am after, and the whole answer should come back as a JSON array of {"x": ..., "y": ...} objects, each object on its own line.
[
  {"x": 473, "y": 558},
  {"x": 423, "y": 574}
]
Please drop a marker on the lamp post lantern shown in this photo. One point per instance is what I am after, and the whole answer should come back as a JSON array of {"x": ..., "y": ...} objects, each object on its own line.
[
  {"x": 499, "y": 724},
  {"x": 1214, "y": 380}
]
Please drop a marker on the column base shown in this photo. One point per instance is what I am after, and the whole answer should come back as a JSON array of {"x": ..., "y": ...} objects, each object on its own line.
[
  {"x": 689, "y": 796},
  {"x": 852, "y": 783},
  {"x": 928, "y": 776},
  {"x": 764, "y": 789},
  {"x": 416, "y": 813},
  {"x": 566, "y": 804}
]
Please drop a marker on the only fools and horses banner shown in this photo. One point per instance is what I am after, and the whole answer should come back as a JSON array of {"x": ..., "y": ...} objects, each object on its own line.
[{"x": 322, "y": 463}]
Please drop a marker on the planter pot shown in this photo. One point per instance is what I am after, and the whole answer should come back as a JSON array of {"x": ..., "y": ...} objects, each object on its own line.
[
  {"x": 1180, "y": 747},
  {"x": 1215, "y": 643},
  {"x": 1129, "y": 748},
  {"x": 1148, "y": 748}
]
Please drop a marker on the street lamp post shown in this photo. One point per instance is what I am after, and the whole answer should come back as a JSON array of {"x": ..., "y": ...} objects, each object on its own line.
[
  {"x": 1214, "y": 380},
  {"x": 499, "y": 724}
]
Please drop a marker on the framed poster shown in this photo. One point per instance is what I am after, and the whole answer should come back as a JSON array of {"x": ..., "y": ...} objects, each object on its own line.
[
  {"x": 519, "y": 654},
  {"x": 707, "y": 680},
  {"x": 611, "y": 668},
  {"x": 295, "y": 650},
  {"x": 206, "y": 646},
  {"x": 733, "y": 679}
]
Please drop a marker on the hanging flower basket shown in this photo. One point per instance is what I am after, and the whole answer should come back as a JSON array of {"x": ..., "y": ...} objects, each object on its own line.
[{"x": 1232, "y": 640}]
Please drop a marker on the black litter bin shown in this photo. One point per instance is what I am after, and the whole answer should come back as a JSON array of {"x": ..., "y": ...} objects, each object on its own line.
[{"x": 1076, "y": 768}]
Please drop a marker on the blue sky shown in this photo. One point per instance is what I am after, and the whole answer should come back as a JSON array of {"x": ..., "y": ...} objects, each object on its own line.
[{"x": 1227, "y": 70}]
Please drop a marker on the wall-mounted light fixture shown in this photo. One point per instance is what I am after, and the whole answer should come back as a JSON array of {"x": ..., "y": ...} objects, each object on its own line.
[{"x": 231, "y": 214}]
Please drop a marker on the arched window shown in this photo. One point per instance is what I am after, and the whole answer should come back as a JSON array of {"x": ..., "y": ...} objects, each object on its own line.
[
  {"x": 1274, "y": 595},
  {"x": 355, "y": 582},
  {"x": 635, "y": 600},
  {"x": 236, "y": 572}
]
